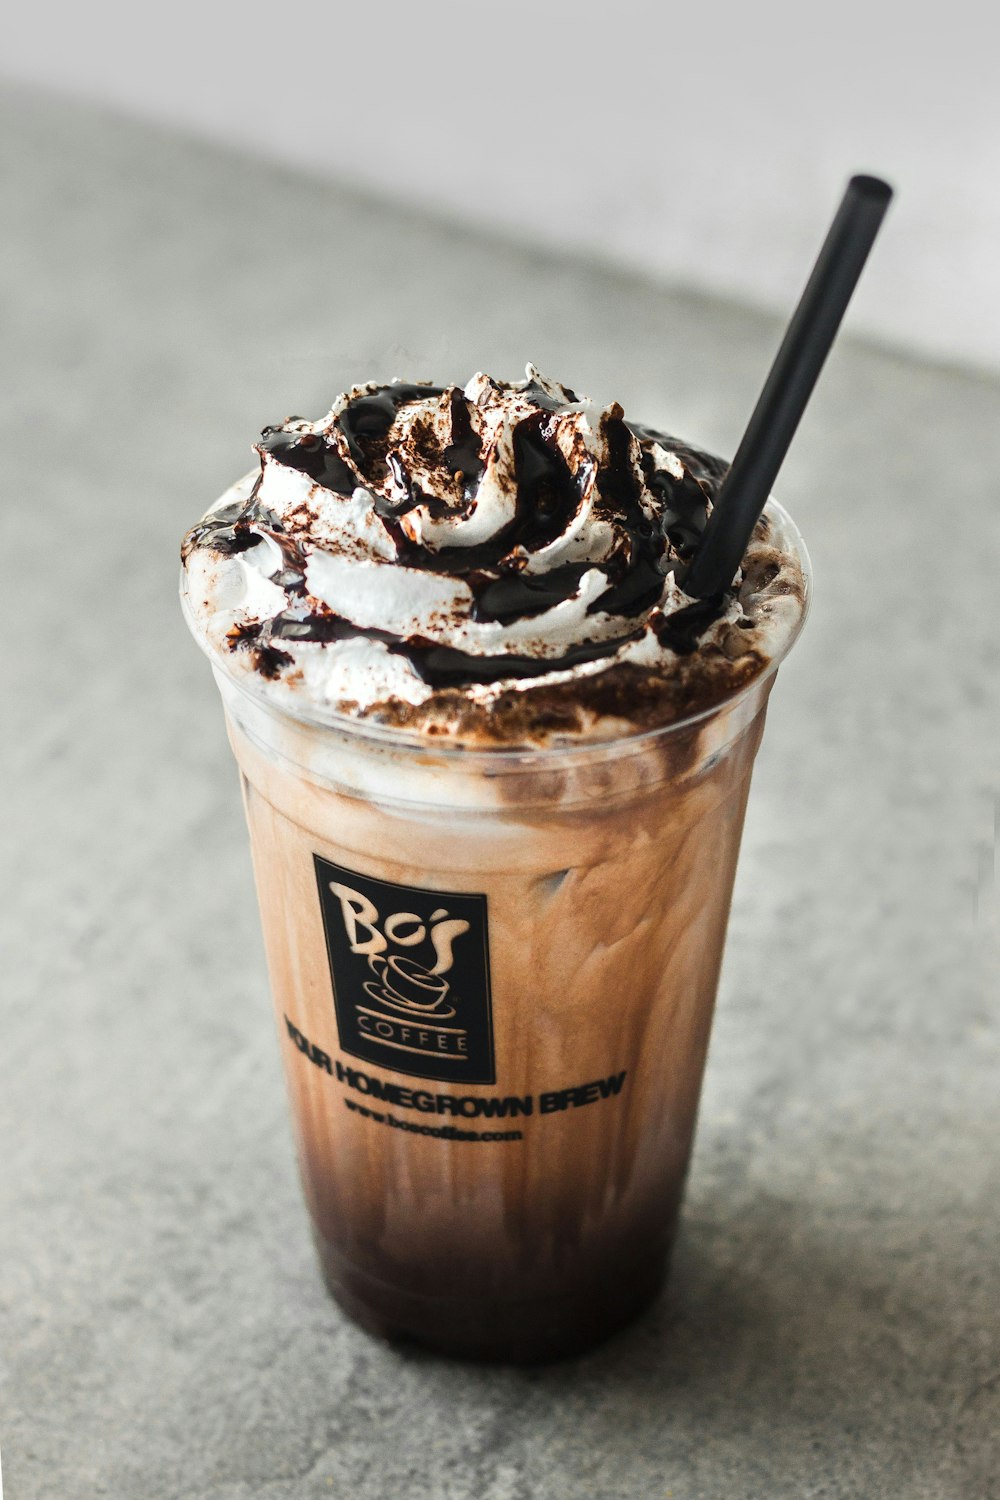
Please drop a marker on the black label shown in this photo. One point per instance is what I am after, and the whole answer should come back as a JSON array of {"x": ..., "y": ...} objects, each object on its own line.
[{"x": 411, "y": 975}]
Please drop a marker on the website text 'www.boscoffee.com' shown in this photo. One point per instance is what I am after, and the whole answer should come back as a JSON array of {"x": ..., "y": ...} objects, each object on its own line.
[{"x": 443, "y": 1132}]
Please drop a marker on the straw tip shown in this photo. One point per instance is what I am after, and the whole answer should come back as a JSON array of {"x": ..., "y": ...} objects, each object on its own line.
[{"x": 875, "y": 189}]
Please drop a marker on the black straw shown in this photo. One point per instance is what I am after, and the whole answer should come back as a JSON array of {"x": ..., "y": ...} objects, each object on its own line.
[{"x": 811, "y": 333}]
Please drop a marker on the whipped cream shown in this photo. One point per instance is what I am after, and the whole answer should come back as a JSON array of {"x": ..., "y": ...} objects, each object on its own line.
[{"x": 498, "y": 564}]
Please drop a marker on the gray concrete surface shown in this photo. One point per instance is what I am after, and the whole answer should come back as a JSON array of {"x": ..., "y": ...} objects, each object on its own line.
[{"x": 832, "y": 1325}]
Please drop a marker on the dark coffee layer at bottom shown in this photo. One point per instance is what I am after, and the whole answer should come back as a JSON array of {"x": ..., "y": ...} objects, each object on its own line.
[
  {"x": 535, "y": 1330},
  {"x": 605, "y": 911}
]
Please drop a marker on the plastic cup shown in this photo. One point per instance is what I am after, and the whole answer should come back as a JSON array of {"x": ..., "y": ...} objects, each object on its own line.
[{"x": 494, "y": 973}]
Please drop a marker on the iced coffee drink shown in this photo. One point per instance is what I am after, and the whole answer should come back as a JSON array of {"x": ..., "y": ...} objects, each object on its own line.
[{"x": 495, "y": 763}]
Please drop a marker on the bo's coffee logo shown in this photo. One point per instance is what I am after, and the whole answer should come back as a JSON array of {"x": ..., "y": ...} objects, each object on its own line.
[{"x": 411, "y": 975}]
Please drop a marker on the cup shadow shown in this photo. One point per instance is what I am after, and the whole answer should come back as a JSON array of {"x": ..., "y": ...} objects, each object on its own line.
[
  {"x": 796, "y": 1344},
  {"x": 820, "y": 1333}
]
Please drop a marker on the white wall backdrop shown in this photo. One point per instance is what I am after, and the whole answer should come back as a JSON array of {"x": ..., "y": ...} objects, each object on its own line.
[{"x": 705, "y": 147}]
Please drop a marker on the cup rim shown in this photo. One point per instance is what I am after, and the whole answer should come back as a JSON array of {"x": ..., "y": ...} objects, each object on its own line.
[{"x": 387, "y": 738}]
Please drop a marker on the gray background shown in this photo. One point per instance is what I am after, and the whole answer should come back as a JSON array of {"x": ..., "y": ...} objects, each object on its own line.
[
  {"x": 831, "y": 1328},
  {"x": 705, "y": 143}
]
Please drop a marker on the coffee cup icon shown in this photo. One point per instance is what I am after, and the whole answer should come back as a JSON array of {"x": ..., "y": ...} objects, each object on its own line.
[{"x": 407, "y": 985}]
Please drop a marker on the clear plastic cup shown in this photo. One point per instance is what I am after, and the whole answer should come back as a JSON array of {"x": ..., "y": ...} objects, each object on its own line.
[{"x": 494, "y": 973}]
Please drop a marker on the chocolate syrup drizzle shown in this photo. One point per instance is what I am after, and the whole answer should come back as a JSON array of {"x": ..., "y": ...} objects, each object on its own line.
[{"x": 359, "y": 451}]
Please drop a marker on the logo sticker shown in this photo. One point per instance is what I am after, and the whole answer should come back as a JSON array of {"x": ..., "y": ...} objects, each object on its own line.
[{"x": 411, "y": 975}]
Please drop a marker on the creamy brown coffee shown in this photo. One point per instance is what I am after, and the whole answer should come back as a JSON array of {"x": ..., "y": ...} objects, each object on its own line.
[{"x": 495, "y": 765}]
